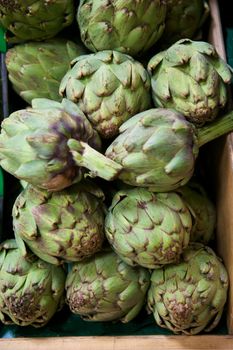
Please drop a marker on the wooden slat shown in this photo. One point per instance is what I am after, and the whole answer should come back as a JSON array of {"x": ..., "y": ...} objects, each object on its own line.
[
  {"x": 223, "y": 167},
  {"x": 122, "y": 343},
  {"x": 222, "y": 157},
  {"x": 215, "y": 32}
]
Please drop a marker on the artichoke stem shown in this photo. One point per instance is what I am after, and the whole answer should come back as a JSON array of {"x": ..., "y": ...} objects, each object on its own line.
[
  {"x": 97, "y": 163},
  {"x": 219, "y": 127}
]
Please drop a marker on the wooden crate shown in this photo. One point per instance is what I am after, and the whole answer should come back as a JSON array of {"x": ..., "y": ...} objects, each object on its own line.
[{"x": 222, "y": 166}]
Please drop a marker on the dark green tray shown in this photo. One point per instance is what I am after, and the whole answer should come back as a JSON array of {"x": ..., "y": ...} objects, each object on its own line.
[{"x": 65, "y": 324}]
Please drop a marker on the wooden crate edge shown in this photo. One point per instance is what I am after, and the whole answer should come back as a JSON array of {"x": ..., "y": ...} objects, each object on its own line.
[
  {"x": 224, "y": 175},
  {"x": 121, "y": 343}
]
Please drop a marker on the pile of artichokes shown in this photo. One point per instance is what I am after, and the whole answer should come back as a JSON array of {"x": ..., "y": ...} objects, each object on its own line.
[{"x": 112, "y": 218}]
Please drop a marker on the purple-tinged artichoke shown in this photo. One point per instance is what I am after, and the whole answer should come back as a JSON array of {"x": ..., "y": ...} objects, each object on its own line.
[
  {"x": 60, "y": 226},
  {"x": 33, "y": 143}
]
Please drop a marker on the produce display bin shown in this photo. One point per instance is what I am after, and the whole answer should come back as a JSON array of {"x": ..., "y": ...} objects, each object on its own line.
[{"x": 218, "y": 160}]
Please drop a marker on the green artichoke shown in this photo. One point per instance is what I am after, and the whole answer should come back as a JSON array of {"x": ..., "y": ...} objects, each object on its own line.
[
  {"x": 148, "y": 229},
  {"x": 60, "y": 226},
  {"x": 104, "y": 288},
  {"x": 33, "y": 143},
  {"x": 189, "y": 297},
  {"x": 128, "y": 26},
  {"x": 203, "y": 211},
  {"x": 31, "y": 290},
  {"x": 109, "y": 87},
  {"x": 190, "y": 77},
  {"x": 156, "y": 149},
  {"x": 35, "y": 69},
  {"x": 35, "y": 19},
  {"x": 183, "y": 19}
]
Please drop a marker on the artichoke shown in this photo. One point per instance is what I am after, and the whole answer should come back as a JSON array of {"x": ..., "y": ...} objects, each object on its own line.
[
  {"x": 60, "y": 226},
  {"x": 203, "y": 211},
  {"x": 35, "y": 69},
  {"x": 109, "y": 87},
  {"x": 33, "y": 143},
  {"x": 191, "y": 15},
  {"x": 148, "y": 229},
  {"x": 128, "y": 26},
  {"x": 31, "y": 290},
  {"x": 190, "y": 77},
  {"x": 155, "y": 149},
  {"x": 35, "y": 19},
  {"x": 104, "y": 288},
  {"x": 189, "y": 297}
]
